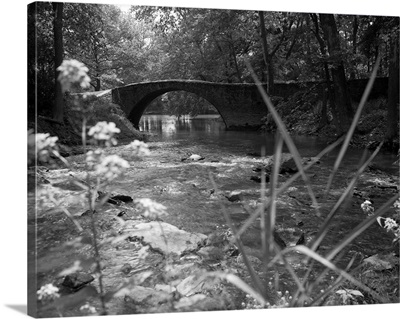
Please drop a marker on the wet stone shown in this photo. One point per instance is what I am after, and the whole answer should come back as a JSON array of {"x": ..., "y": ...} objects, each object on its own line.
[
  {"x": 124, "y": 198},
  {"x": 144, "y": 295},
  {"x": 234, "y": 196},
  {"x": 195, "y": 284},
  {"x": 288, "y": 167},
  {"x": 77, "y": 280},
  {"x": 126, "y": 268},
  {"x": 154, "y": 234}
]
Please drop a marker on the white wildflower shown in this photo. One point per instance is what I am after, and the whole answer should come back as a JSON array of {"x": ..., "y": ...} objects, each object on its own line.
[
  {"x": 93, "y": 158},
  {"x": 88, "y": 309},
  {"x": 41, "y": 146},
  {"x": 367, "y": 207},
  {"x": 71, "y": 72},
  {"x": 111, "y": 167},
  {"x": 48, "y": 292},
  {"x": 103, "y": 132},
  {"x": 390, "y": 224},
  {"x": 396, "y": 204},
  {"x": 139, "y": 148},
  {"x": 150, "y": 208}
]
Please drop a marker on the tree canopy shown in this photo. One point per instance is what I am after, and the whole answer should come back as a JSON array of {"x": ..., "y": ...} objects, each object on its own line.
[{"x": 157, "y": 43}]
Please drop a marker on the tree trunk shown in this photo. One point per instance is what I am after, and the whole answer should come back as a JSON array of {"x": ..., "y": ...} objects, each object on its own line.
[
  {"x": 354, "y": 43},
  {"x": 233, "y": 54},
  {"x": 58, "y": 107},
  {"x": 393, "y": 91},
  {"x": 324, "y": 109},
  {"x": 344, "y": 112},
  {"x": 267, "y": 58},
  {"x": 327, "y": 90}
]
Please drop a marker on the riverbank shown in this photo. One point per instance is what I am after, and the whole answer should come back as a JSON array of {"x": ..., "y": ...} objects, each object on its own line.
[
  {"x": 97, "y": 109},
  {"x": 166, "y": 278},
  {"x": 302, "y": 115}
]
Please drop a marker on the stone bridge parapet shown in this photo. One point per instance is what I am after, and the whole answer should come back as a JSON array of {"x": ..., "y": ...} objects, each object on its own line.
[{"x": 240, "y": 104}]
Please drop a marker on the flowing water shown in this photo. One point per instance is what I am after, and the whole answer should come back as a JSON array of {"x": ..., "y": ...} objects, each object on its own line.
[
  {"x": 195, "y": 204},
  {"x": 210, "y": 131},
  {"x": 234, "y": 152}
]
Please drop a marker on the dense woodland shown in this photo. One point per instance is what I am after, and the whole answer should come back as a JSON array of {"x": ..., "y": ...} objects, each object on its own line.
[
  {"x": 157, "y": 43},
  {"x": 191, "y": 224}
]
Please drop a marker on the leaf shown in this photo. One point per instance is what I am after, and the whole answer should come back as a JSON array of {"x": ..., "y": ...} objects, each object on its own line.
[
  {"x": 355, "y": 292},
  {"x": 381, "y": 221},
  {"x": 349, "y": 292}
]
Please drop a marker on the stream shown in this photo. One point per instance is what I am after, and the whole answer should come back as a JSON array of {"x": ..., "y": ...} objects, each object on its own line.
[{"x": 195, "y": 204}]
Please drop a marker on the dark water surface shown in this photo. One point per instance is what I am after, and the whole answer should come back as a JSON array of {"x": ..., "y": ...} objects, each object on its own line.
[{"x": 210, "y": 130}]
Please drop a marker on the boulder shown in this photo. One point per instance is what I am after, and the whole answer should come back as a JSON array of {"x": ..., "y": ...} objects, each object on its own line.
[
  {"x": 288, "y": 167},
  {"x": 123, "y": 198},
  {"x": 165, "y": 237},
  {"x": 234, "y": 196},
  {"x": 77, "y": 280},
  {"x": 195, "y": 284}
]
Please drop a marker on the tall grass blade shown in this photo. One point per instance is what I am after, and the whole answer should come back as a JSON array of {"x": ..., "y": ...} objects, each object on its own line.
[
  {"x": 254, "y": 277},
  {"x": 361, "y": 227},
  {"x": 288, "y": 267},
  {"x": 285, "y": 134},
  {"x": 265, "y": 205},
  {"x": 337, "y": 282},
  {"x": 270, "y": 220},
  {"x": 274, "y": 181},
  {"x": 324, "y": 261},
  {"x": 240, "y": 284},
  {"x": 263, "y": 220},
  {"x": 353, "y": 125},
  {"x": 324, "y": 228}
]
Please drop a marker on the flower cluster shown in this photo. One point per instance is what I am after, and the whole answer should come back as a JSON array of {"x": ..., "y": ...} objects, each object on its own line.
[
  {"x": 71, "y": 72},
  {"x": 88, "y": 309},
  {"x": 150, "y": 208},
  {"x": 103, "y": 133},
  {"x": 48, "y": 292},
  {"x": 111, "y": 167},
  {"x": 390, "y": 225},
  {"x": 40, "y": 146},
  {"x": 139, "y": 148},
  {"x": 93, "y": 158},
  {"x": 396, "y": 205},
  {"x": 367, "y": 207}
]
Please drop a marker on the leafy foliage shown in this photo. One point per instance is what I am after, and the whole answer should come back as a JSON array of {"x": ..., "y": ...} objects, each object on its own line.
[{"x": 156, "y": 43}]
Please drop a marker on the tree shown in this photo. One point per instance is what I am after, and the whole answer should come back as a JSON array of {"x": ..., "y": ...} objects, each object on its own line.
[
  {"x": 342, "y": 108},
  {"x": 268, "y": 55},
  {"x": 58, "y": 109},
  {"x": 393, "y": 90},
  {"x": 328, "y": 92}
]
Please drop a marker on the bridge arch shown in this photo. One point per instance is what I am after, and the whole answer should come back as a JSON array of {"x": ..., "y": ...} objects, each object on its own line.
[
  {"x": 137, "y": 112},
  {"x": 240, "y": 105}
]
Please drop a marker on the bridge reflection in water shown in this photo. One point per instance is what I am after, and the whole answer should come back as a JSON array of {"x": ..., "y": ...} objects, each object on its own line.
[{"x": 171, "y": 127}]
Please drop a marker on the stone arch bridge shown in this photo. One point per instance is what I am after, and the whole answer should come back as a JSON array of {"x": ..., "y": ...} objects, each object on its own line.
[{"x": 240, "y": 105}]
